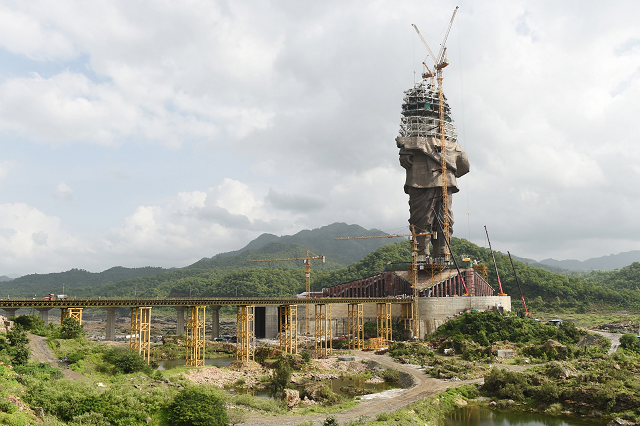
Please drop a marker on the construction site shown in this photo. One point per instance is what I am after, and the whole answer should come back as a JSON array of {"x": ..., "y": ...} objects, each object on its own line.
[{"x": 419, "y": 295}]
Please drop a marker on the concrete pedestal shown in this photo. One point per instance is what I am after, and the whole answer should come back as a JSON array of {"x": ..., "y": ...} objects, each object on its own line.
[
  {"x": 43, "y": 313},
  {"x": 180, "y": 321},
  {"x": 110, "y": 332},
  {"x": 11, "y": 312}
]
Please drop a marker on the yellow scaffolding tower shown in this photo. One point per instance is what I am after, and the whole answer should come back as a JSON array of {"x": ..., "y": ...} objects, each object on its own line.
[
  {"x": 356, "y": 329},
  {"x": 407, "y": 316},
  {"x": 323, "y": 330},
  {"x": 75, "y": 313},
  {"x": 289, "y": 328},
  {"x": 195, "y": 336},
  {"x": 245, "y": 330},
  {"x": 383, "y": 321},
  {"x": 140, "y": 339}
]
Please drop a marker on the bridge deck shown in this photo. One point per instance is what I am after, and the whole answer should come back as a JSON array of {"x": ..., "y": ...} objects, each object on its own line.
[{"x": 188, "y": 301}]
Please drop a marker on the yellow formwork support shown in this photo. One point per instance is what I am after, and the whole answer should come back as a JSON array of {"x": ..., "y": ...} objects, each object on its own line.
[
  {"x": 407, "y": 316},
  {"x": 75, "y": 313},
  {"x": 356, "y": 328},
  {"x": 289, "y": 328},
  {"x": 323, "y": 330},
  {"x": 140, "y": 339},
  {"x": 383, "y": 321},
  {"x": 195, "y": 336},
  {"x": 245, "y": 330}
]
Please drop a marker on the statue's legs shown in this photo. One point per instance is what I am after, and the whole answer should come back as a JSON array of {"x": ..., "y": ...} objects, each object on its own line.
[{"x": 424, "y": 205}]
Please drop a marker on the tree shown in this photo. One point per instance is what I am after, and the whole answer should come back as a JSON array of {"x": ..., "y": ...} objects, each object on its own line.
[
  {"x": 630, "y": 341},
  {"x": 71, "y": 329},
  {"x": 198, "y": 406},
  {"x": 281, "y": 375},
  {"x": 125, "y": 361}
]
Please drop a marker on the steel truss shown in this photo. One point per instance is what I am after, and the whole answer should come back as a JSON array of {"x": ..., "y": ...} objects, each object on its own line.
[
  {"x": 245, "y": 330},
  {"x": 323, "y": 330},
  {"x": 140, "y": 339},
  {"x": 75, "y": 313},
  {"x": 195, "y": 335},
  {"x": 356, "y": 328},
  {"x": 289, "y": 328}
]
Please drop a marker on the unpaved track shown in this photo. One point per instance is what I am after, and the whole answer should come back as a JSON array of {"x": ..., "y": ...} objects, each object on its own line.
[
  {"x": 425, "y": 386},
  {"x": 614, "y": 337},
  {"x": 41, "y": 353}
]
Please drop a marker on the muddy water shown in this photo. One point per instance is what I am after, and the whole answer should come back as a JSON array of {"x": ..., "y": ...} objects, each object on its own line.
[{"x": 480, "y": 416}]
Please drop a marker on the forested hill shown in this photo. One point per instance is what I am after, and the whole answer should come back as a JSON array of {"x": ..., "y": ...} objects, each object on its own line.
[
  {"x": 42, "y": 284},
  {"x": 627, "y": 278},
  {"x": 542, "y": 289},
  {"x": 321, "y": 241}
]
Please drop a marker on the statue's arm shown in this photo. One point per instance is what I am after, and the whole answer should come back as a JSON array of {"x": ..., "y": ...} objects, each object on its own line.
[
  {"x": 462, "y": 164},
  {"x": 406, "y": 158}
]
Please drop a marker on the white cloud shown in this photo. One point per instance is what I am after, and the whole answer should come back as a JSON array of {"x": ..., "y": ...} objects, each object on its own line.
[{"x": 63, "y": 192}]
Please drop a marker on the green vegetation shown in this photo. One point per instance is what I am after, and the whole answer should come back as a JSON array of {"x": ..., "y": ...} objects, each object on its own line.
[{"x": 198, "y": 406}]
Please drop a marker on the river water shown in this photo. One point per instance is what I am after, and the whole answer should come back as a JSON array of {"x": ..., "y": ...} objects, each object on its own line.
[{"x": 481, "y": 416}]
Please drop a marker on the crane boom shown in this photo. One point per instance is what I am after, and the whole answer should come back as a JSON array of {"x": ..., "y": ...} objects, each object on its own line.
[
  {"x": 425, "y": 44},
  {"x": 441, "y": 53},
  {"x": 495, "y": 265},
  {"x": 526, "y": 311}
]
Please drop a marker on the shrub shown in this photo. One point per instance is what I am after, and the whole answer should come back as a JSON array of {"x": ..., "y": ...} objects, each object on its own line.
[
  {"x": 281, "y": 375},
  {"x": 330, "y": 421},
  {"x": 630, "y": 341},
  {"x": 7, "y": 407},
  {"x": 306, "y": 356},
  {"x": 198, "y": 406},
  {"x": 125, "y": 361},
  {"x": 390, "y": 375},
  {"x": 71, "y": 329}
]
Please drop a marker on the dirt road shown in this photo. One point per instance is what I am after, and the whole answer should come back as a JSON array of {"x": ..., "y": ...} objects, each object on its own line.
[
  {"x": 41, "y": 353},
  {"x": 371, "y": 405},
  {"x": 614, "y": 337}
]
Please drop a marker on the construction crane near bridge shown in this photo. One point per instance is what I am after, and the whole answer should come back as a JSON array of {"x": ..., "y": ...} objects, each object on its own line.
[{"x": 307, "y": 263}]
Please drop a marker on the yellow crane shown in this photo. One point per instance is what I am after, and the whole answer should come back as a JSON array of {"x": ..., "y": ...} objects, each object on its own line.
[
  {"x": 440, "y": 62},
  {"x": 307, "y": 263}
]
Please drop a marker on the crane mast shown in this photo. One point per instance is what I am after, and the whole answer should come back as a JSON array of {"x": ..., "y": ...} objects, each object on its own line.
[{"x": 441, "y": 62}]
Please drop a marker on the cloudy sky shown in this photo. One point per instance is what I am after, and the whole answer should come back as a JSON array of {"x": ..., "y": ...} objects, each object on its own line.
[{"x": 142, "y": 133}]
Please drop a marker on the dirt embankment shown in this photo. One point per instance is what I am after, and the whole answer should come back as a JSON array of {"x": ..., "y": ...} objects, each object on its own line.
[{"x": 41, "y": 352}]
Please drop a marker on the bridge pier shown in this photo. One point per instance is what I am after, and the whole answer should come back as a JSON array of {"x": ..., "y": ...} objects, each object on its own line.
[
  {"x": 75, "y": 313},
  {"x": 215, "y": 321},
  {"x": 289, "y": 328},
  {"x": 323, "y": 330},
  {"x": 180, "y": 319},
  {"x": 140, "y": 339},
  {"x": 245, "y": 330},
  {"x": 110, "y": 333},
  {"x": 195, "y": 336},
  {"x": 43, "y": 313},
  {"x": 11, "y": 312},
  {"x": 356, "y": 326}
]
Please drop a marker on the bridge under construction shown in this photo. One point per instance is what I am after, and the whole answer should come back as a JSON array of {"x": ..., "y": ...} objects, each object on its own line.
[{"x": 341, "y": 310}]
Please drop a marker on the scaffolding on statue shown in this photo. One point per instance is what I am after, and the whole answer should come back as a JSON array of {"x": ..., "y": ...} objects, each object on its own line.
[
  {"x": 323, "y": 330},
  {"x": 75, "y": 313},
  {"x": 355, "y": 325},
  {"x": 420, "y": 113},
  {"x": 245, "y": 330},
  {"x": 383, "y": 322},
  {"x": 289, "y": 328},
  {"x": 140, "y": 338},
  {"x": 195, "y": 336}
]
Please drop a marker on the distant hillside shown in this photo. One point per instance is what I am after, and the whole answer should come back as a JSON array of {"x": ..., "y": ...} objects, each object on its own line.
[
  {"x": 42, "y": 284},
  {"x": 321, "y": 241},
  {"x": 627, "y": 278},
  {"x": 4, "y": 278},
  {"x": 604, "y": 263}
]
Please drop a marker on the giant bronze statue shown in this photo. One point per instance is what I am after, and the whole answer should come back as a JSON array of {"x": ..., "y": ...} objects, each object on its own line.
[{"x": 420, "y": 154}]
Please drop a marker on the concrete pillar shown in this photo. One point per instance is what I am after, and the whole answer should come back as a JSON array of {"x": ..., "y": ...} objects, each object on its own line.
[
  {"x": 43, "y": 313},
  {"x": 110, "y": 332},
  {"x": 215, "y": 321},
  {"x": 11, "y": 312},
  {"x": 180, "y": 314},
  {"x": 271, "y": 325}
]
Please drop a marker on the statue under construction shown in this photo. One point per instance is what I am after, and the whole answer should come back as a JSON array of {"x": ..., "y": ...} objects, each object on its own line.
[{"x": 420, "y": 144}]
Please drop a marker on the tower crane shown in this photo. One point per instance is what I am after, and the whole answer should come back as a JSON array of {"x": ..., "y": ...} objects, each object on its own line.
[
  {"x": 441, "y": 62},
  {"x": 307, "y": 263}
]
